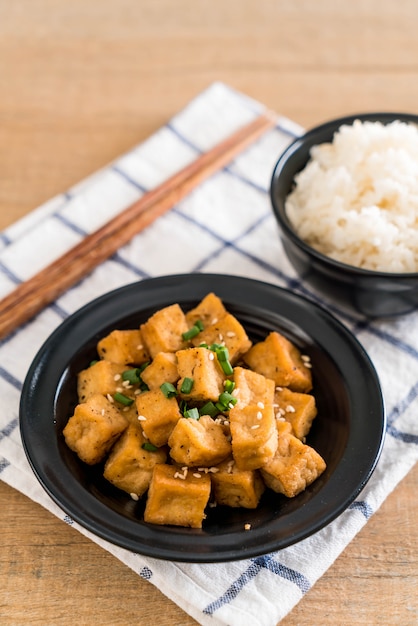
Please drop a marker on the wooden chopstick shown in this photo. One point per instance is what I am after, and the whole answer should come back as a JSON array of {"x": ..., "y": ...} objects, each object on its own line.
[{"x": 36, "y": 293}]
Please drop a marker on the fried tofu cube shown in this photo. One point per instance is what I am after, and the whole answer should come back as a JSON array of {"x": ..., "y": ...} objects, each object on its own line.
[
  {"x": 157, "y": 415},
  {"x": 162, "y": 332},
  {"x": 208, "y": 311},
  {"x": 199, "y": 442},
  {"x": 129, "y": 466},
  {"x": 123, "y": 346},
  {"x": 230, "y": 332},
  {"x": 279, "y": 359},
  {"x": 294, "y": 466},
  {"x": 251, "y": 387},
  {"x": 103, "y": 377},
  {"x": 254, "y": 435},
  {"x": 235, "y": 487},
  {"x": 201, "y": 365},
  {"x": 162, "y": 369},
  {"x": 299, "y": 409},
  {"x": 176, "y": 497},
  {"x": 93, "y": 429}
]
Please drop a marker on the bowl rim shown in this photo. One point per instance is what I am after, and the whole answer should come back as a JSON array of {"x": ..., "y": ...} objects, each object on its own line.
[
  {"x": 45, "y": 375},
  {"x": 279, "y": 206}
]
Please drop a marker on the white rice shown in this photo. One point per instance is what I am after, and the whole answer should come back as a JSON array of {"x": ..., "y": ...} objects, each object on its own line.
[{"x": 357, "y": 198}]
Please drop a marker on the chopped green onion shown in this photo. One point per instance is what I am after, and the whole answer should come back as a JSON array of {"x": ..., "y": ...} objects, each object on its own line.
[
  {"x": 203, "y": 345},
  {"x": 215, "y": 347},
  {"x": 119, "y": 397},
  {"x": 193, "y": 331},
  {"x": 168, "y": 390},
  {"x": 189, "y": 334},
  {"x": 93, "y": 363},
  {"x": 132, "y": 376},
  {"x": 226, "y": 399},
  {"x": 199, "y": 324},
  {"x": 221, "y": 407},
  {"x": 149, "y": 446},
  {"x": 222, "y": 353},
  {"x": 209, "y": 409},
  {"x": 227, "y": 368},
  {"x": 187, "y": 385},
  {"x": 192, "y": 413},
  {"x": 229, "y": 385}
]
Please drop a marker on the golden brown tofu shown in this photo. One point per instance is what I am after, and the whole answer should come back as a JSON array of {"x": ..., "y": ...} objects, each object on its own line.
[
  {"x": 254, "y": 435},
  {"x": 157, "y": 415},
  {"x": 277, "y": 358},
  {"x": 199, "y": 442},
  {"x": 228, "y": 331},
  {"x": 234, "y": 487},
  {"x": 123, "y": 346},
  {"x": 93, "y": 429},
  {"x": 177, "y": 497},
  {"x": 103, "y": 377},
  {"x": 294, "y": 466},
  {"x": 201, "y": 365},
  {"x": 209, "y": 310},
  {"x": 251, "y": 387},
  {"x": 129, "y": 466},
  {"x": 162, "y": 332},
  {"x": 299, "y": 409},
  {"x": 162, "y": 369}
]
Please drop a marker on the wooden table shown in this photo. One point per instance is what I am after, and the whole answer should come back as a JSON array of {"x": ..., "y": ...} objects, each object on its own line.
[{"x": 80, "y": 83}]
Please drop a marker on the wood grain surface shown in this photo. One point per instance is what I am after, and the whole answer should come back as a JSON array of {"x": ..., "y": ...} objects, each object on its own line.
[{"x": 83, "y": 81}]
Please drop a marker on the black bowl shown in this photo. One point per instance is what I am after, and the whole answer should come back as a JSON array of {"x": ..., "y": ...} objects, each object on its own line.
[
  {"x": 348, "y": 431},
  {"x": 372, "y": 293}
]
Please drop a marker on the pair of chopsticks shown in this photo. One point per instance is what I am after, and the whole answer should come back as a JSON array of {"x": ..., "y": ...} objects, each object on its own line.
[{"x": 29, "y": 298}]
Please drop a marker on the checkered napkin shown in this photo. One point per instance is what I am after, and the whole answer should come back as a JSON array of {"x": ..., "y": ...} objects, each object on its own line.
[{"x": 225, "y": 226}]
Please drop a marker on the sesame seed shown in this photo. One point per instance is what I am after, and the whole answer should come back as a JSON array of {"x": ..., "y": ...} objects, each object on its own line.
[
  {"x": 125, "y": 409},
  {"x": 290, "y": 409},
  {"x": 109, "y": 397},
  {"x": 213, "y": 470},
  {"x": 117, "y": 377},
  {"x": 126, "y": 384},
  {"x": 134, "y": 496},
  {"x": 211, "y": 356},
  {"x": 142, "y": 418},
  {"x": 140, "y": 346},
  {"x": 215, "y": 319},
  {"x": 137, "y": 392},
  {"x": 247, "y": 526},
  {"x": 255, "y": 426},
  {"x": 144, "y": 435},
  {"x": 119, "y": 389},
  {"x": 279, "y": 388},
  {"x": 280, "y": 418},
  {"x": 259, "y": 415},
  {"x": 221, "y": 337},
  {"x": 196, "y": 475},
  {"x": 260, "y": 405},
  {"x": 230, "y": 333},
  {"x": 308, "y": 365},
  {"x": 235, "y": 392},
  {"x": 305, "y": 357},
  {"x": 103, "y": 411}
]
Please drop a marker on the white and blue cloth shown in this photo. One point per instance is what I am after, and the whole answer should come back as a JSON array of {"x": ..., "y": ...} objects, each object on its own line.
[{"x": 225, "y": 226}]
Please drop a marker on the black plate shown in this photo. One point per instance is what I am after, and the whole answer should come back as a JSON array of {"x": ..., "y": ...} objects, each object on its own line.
[{"x": 348, "y": 431}]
